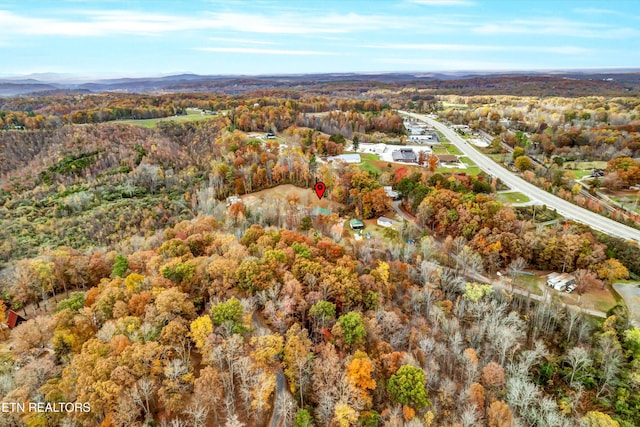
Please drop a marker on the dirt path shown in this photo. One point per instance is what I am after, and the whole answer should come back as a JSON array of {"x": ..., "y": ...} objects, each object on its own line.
[{"x": 260, "y": 326}]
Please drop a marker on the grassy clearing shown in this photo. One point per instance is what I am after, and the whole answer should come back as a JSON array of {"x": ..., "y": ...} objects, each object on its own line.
[
  {"x": 368, "y": 167},
  {"x": 496, "y": 157},
  {"x": 369, "y": 156},
  {"x": 473, "y": 170},
  {"x": 452, "y": 149},
  {"x": 529, "y": 282},
  {"x": 467, "y": 161},
  {"x": 151, "y": 123},
  {"x": 596, "y": 164},
  {"x": 440, "y": 150},
  {"x": 512, "y": 197},
  {"x": 581, "y": 173},
  {"x": 600, "y": 301},
  {"x": 446, "y": 104}
]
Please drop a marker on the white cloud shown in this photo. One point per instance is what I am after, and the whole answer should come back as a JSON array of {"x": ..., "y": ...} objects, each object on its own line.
[
  {"x": 262, "y": 51},
  {"x": 240, "y": 41},
  {"x": 443, "y": 47},
  {"x": 596, "y": 11},
  {"x": 556, "y": 27},
  {"x": 114, "y": 22}
]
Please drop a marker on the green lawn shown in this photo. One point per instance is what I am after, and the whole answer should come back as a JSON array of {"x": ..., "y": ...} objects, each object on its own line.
[
  {"x": 529, "y": 282},
  {"x": 440, "y": 150},
  {"x": 467, "y": 161},
  {"x": 452, "y": 149},
  {"x": 151, "y": 123},
  {"x": 585, "y": 165},
  {"x": 473, "y": 170},
  {"x": 581, "y": 173},
  {"x": 365, "y": 156},
  {"x": 367, "y": 166},
  {"x": 512, "y": 197}
]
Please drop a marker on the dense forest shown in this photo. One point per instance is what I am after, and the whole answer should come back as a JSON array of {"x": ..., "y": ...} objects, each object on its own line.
[{"x": 360, "y": 339}]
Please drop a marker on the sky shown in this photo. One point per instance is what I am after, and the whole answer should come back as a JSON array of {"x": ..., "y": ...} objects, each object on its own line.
[{"x": 135, "y": 38}]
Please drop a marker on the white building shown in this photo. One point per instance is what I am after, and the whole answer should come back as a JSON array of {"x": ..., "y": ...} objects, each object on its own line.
[
  {"x": 233, "y": 199},
  {"x": 560, "y": 282},
  {"x": 347, "y": 158},
  {"x": 385, "y": 222}
]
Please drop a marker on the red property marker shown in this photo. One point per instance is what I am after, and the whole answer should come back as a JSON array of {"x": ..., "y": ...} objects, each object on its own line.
[{"x": 320, "y": 189}]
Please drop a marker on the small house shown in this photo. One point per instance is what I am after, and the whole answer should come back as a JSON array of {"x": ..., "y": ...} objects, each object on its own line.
[
  {"x": 356, "y": 224},
  {"x": 405, "y": 155},
  {"x": 385, "y": 222},
  {"x": 447, "y": 158},
  {"x": 233, "y": 199},
  {"x": 14, "y": 319},
  {"x": 393, "y": 195}
]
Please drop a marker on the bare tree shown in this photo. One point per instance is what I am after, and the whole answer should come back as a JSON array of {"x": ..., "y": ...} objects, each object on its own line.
[
  {"x": 143, "y": 392},
  {"x": 516, "y": 266},
  {"x": 197, "y": 414},
  {"x": 578, "y": 358}
]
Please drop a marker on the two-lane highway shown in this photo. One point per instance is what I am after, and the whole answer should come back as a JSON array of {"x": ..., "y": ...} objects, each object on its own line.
[{"x": 564, "y": 208}]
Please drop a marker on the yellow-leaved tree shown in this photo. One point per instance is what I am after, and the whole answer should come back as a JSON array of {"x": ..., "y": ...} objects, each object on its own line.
[
  {"x": 359, "y": 372},
  {"x": 200, "y": 330},
  {"x": 599, "y": 419}
]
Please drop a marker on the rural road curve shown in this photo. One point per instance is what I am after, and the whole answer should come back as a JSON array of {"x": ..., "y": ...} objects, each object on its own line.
[{"x": 561, "y": 206}]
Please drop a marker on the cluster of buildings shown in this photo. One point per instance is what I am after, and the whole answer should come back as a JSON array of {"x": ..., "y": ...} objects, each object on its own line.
[
  {"x": 420, "y": 133},
  {"x": 561, "y": 282}
]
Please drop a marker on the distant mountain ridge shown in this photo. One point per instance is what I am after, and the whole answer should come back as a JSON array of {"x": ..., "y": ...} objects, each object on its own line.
[{"x": 47, "y": 82}]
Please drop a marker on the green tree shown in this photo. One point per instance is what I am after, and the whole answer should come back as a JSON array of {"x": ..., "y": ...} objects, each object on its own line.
[
  {"x": 407, "y": 387},
  {"x": 353, "y": 328},
  {"x": 306, "y": 224},
  {"x": 74, "y": 303},
  {"x": 303, "y": 419},
  {"x": 356, "y": 143},
  {"x": 518, "y": 152},
  {"x": 523, "y": 163},
  {"x": 120, "y": 266},
  {"x": 228, "y": 312},
  {"x": 323, "y": 311}
]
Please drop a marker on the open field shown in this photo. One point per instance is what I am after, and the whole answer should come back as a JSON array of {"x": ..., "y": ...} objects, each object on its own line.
[
  {"x": 581, "y": 173},
  {"x": 582, "y": 169},
  {"x": 585, "y": 165},
  {"x": 191, "y": 116},
  {"x": 529, "y": 282},
  {"x": 595, "y": 299},
  {"x": 512, "y": 197},
  {"x": 279, "y": 194}
]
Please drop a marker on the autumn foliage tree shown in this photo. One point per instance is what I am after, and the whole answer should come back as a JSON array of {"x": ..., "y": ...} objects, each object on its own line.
[{"x": 407, "y": 386}]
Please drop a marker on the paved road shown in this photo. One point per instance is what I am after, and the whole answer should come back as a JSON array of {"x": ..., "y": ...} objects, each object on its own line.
[
  {"x": 563, "y": 207},
  {"x": 402, "y": 214}
]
